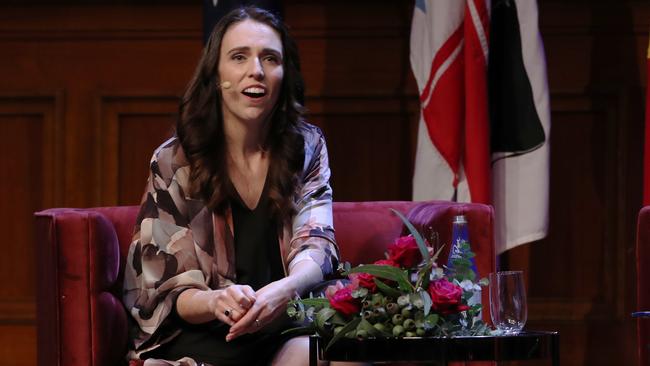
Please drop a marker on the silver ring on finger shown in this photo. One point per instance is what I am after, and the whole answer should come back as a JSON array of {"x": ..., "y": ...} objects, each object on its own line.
[
  {"x": 228, "y": 313},
  {"x": 258, "y": 323}
]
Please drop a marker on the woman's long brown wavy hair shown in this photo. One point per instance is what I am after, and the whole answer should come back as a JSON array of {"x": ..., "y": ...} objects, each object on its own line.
[{"x": 200, "y": 124}]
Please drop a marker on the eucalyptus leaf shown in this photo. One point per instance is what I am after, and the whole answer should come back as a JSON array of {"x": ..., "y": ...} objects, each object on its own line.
[
  {"x": 416, "y": 235},
  {"x": 431, "y": 319},
  {"x": 347, "y": 266},
  {"x": 427, "y": 302},
  {"x": 352, "y": 325},
  {"x": 298, "y": 331},
  {"x": 387, "y": 289},
  {"x": 314, "y": 301},
  {"x": 437, "y": 253},
  {"x": 405, "y": 286},
  {"x": 365, "y": 325},
  {"x": 360, "y": 292},
  {"x": 292, "y": 311},
  {"x": 338, "y": 319},
  {"x": 416, "y": 300},
  {"x": 323, "y": 316},
  {"x": 388, "y": 272},
  {"x": 424, "y": 275}
]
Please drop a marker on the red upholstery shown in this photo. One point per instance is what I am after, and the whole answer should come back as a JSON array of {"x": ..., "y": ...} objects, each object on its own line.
[
  {"x": 81, "y": 254},
  {"x": 643, "y": 283}
]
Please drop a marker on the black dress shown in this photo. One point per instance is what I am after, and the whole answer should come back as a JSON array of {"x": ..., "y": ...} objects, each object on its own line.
[{"x": 258, "y": 262}]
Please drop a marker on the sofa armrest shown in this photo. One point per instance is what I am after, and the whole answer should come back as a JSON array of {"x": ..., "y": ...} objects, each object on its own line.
[{"x": 80, "y": 320}]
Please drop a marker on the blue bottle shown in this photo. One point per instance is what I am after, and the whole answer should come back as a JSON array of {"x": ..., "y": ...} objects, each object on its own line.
[{"x": 459, "y": 234}]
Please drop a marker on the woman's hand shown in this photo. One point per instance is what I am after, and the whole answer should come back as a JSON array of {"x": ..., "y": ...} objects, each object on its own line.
[
  {"x": 227, "y": 305},
  {"x": 231, "y": 303},
  {"x": 271, "y": 301}
]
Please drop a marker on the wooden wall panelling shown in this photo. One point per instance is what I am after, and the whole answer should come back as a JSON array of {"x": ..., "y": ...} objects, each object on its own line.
[
  {"x": 368, "y": 142},
  {"x": 130, "y": 128},
  {"x": 87, "y": 50},
  {"x": 583, "y": 184},
  {"x": 360, "y": 90},
  {"x": 84, "y": 50},
  {"x": 581, "y": 274},
  {"x": 573, "y": 271},
  {"x": 31, "y": 179}
]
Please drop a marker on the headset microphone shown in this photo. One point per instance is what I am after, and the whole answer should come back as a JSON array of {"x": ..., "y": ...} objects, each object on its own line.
[{"x": 226, "y": 85}]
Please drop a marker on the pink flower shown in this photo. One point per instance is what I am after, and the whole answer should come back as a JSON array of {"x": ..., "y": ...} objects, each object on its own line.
[
  {"x": 405, "y": 252},
  {"x": 342, "y": 301},
  {"x": 364, "y": 280},
  {"x": 446, "y": 297}
]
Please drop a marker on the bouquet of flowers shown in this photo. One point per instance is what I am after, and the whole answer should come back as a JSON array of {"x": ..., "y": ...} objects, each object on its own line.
[{"x": 405, "y": 295}]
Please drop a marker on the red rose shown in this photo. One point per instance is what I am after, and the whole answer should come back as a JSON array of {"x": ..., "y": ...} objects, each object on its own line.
[
  {"x": 446, "y": 297},
  {"x": 364, "y": 280},
  {"x": 387, "y": 262},
  {"x": 343, "y": 302},
  {"x": 405, "y": 252}
]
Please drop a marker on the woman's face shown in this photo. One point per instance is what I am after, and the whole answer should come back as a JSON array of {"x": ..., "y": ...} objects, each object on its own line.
[{"x": 251, "y": 61}]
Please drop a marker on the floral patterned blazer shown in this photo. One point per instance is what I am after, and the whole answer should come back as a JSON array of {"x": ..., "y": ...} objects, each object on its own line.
[{"x": 179, "y": 243}]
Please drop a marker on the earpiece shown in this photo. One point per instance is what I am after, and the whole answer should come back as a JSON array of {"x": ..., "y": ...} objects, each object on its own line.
[{"x": 226, "y": 85}]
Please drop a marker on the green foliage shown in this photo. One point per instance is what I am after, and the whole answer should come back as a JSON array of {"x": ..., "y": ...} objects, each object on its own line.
[
  {"x": 352, "y": 325},
  {"x": 426, "y": 299},
  {"x": 416, "y": 235},
  {"x": 322, "y": 316},
  {"x": 388, "y": 272},
  {"x": 401, "y": 306},
  {"x": 312, "y": 301},
  {"x": 461, "y": 267},
  {"x": 386, "y": 289}
]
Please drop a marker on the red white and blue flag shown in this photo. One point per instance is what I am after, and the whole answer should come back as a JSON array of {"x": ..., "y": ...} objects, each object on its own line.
[{"x": 485, "y": 121}]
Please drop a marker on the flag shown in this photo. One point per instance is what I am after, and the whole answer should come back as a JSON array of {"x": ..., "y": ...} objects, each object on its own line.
[
  {"x": 213, "y": 10},
  {"x": 520, "y": 123},
  {"x": 646, "y": 154},
  {"x": 449, "y": 41},
  {"x": 485, "y": 120}
]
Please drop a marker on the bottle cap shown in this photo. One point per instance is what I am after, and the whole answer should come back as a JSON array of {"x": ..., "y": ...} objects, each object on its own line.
[{"x": 460, "y": 219}]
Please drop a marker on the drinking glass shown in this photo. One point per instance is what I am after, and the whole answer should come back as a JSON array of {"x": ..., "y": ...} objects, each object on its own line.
[{"x": 508, "y": 307}]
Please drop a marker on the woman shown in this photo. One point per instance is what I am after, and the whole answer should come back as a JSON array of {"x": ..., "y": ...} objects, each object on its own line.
[{"x": 237, "y": 216}]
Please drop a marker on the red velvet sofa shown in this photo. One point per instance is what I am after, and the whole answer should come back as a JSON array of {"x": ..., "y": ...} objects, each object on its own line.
[
  {"x": 81, "y": 254},
  {"x": 643, "y": 283}
]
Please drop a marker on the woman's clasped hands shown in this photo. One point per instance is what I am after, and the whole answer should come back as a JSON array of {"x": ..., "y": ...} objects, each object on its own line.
[
  {"x": 266, "y": 305},
  {"x": 231, "y": 303}
]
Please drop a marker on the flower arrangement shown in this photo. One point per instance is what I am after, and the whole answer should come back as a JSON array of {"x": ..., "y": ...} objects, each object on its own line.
[{"x": 405, "y": 295}]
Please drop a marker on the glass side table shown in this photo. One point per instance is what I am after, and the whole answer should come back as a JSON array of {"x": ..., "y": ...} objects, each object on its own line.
[{"x": 523, "y": 346}]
